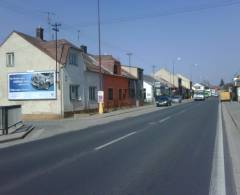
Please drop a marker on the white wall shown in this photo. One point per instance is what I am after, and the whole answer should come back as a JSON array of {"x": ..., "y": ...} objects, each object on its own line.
[
  {"x": 92, "y": 79},
  {"x": 168, "y": 76},
  {"x": 78, "y": 75},
  {"x": 73, "y": 75},
  {"x": 149, "y": 91}
]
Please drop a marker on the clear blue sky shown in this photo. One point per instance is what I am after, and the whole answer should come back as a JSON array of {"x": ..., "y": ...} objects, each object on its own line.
[{"x": 156, "y": 31}]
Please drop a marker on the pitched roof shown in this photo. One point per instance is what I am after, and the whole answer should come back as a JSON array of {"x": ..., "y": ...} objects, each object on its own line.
[
  {"x": 49, "y": 47},
  {"x": 149, "y": 79},
  {"x": 107, "y": 64}
]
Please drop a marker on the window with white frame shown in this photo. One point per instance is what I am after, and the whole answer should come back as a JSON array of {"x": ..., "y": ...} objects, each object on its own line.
[
  {"x": 74, "y": 92},
  {"x": 92, "y": 93},
  {"x": 73, "y": 59},
  {"x": 10, "y": 59}
]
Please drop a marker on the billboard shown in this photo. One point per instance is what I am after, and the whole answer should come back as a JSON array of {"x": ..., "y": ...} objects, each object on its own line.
[{"x": 31, "y": 85}]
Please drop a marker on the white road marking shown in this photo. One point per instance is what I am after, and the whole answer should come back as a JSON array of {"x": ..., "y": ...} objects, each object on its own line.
[
  {"x": 218, "y": 182},
  {"x": 115, "y": 140},
  {"x": 165, "y": 119},
  {"x": 182, "y": 112},
  {"x": 152, "y": 123}
]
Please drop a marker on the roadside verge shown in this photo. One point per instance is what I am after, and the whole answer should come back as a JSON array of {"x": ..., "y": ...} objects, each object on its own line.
[{"x": 233, "y": 138}]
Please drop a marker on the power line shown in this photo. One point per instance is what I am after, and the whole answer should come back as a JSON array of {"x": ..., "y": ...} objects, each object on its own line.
[{"x": 177, "y": 11}]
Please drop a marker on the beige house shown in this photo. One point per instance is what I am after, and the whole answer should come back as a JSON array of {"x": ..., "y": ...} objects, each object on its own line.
[
  {"x": 186, "y": 83},
  {"x": 167, "y": 76},
  {"x": 29, "y": 76}
]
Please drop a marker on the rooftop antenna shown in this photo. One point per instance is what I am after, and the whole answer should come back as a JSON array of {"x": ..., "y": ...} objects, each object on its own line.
[
  {"x": 49, "y": 23},
  {"x": 78, "y": 35}
]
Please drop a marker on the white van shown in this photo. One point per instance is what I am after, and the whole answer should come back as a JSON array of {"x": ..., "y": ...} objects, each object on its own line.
[{"x": 198, "y": 95}]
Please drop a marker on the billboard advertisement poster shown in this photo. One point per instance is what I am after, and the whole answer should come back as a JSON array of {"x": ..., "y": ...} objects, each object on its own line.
[
  {"x": 31, "y": 85},
  {"x": 100, "y": 97}
]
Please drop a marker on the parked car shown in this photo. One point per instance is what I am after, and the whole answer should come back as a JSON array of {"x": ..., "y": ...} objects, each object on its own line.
[
  {"x": 163, "y": 101},
  {"x": 199, "y": 95},
  {"x": 176, "y": 99}
]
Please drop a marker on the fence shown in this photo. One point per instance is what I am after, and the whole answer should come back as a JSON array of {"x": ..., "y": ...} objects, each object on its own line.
[{"x": 9, "y": 117}]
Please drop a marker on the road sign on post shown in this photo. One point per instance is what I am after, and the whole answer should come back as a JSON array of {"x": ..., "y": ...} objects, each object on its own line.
[{"x": 100, "y": 101}]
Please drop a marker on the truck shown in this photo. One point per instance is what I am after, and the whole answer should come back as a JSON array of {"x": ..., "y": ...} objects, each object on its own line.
[{"x": 224, "y": 96}]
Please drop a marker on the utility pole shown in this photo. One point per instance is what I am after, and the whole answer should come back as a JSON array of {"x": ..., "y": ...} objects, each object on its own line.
[
  {"x": 101, "y": 92},
  {"x": 56, "y": 29},
  {"x": 173, "y": 70},
  {"x": 129, "y": 54},
  {"x": 99, "y": 45},
  {"x": 174, "y": 61}
]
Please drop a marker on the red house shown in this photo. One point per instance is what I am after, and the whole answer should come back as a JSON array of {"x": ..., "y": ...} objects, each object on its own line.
[{"x": 117, "y": 84}]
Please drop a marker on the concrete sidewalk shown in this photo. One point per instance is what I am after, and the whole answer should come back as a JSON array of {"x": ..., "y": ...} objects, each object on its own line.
[
  {"x": 45, "y": 129},
  {"x": 231, "y": 118}
]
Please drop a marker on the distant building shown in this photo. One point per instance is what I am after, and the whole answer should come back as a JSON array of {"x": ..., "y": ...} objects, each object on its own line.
[
  {"x": 154, "y": 87},
  {"x": 148, "y": 86},
  {"x": 29, "y": 76},
  {"x": 171, "y": 79},
  {"x": 198, "y": 86},
  {"x": 177, "y": 83},
  {"x": 185, "y": 86}
]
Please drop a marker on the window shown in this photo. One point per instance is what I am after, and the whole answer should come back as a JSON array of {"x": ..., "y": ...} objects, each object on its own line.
[
  {"x": 124, "y": 93},
  {"x": 74, "y": 92},
  {"x": 10, "y": 59},
  {"x": 73, "y": 59},
  {"x": 110, "y": 94},
  {"x": 115, "y": 69},
  {"x": 120, "y": 94},
  {"x": 92, "y": 93}
]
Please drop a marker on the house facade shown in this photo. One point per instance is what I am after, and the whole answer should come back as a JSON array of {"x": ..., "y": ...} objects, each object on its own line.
[
  {"x": 30, "y": 77},
  {"x": 119, "y": 86},
  {"x": 198, "y": 86},
  {"x": 185, "y": 86}
]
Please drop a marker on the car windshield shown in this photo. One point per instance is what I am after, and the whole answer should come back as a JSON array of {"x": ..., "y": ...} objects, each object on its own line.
[
  {"x": 198, "y": 93},
  {"x": 161, "y": 98}
]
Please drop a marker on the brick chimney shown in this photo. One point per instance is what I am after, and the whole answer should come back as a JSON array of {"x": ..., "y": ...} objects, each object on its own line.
[
  {"x": 39, "y": 33},
  {"x": 84, "y": 48}
]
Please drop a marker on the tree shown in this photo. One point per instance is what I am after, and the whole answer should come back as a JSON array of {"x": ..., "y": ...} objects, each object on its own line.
[{"x": 221, "y": 83}]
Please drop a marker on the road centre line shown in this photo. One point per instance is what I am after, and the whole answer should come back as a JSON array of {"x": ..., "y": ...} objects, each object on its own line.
[
  {"x": 165, "y": 119},
  {"x": 181, "y": 112},
  {"x": 114, "y": 141},
  {"x": 218, "y": 181}
]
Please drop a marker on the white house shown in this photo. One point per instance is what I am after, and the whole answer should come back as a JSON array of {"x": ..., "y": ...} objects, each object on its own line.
[
  {"x": 198, "y": 86},
  {"x": 30, "y": 77},
  {"x": 148, "y": 86}
]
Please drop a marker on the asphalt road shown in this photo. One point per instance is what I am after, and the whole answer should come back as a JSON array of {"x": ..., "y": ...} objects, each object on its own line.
[{"x": 168, "y": 152}]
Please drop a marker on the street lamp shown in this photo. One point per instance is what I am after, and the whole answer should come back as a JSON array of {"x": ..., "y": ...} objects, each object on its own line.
[
  {"x": 129, "y": 54},
  {"x": 191, "y": 67},
  {"x": 174, "y": 61}
]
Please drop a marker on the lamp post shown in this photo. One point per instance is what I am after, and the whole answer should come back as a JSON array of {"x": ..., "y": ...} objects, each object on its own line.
[
  {"x": 174, "y": 61},
  {"x": 191, "y": 68},
  {"x": 129, "y": 54}
]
